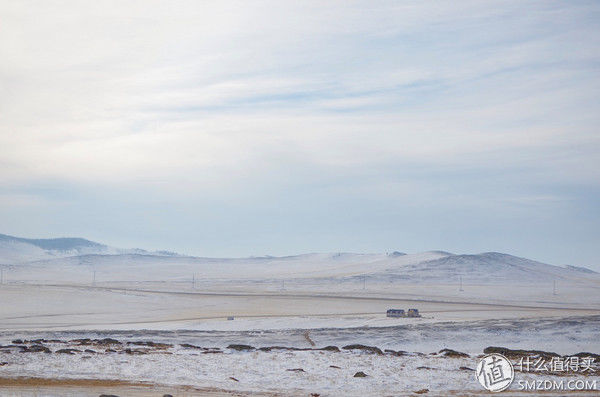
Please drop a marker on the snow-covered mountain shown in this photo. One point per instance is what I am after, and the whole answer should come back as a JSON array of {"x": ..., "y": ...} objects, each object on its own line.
[
  {"x": 20, "y": 250},
  {"x": 487, "y": 266},
  {"x": 75, "y": 255}
]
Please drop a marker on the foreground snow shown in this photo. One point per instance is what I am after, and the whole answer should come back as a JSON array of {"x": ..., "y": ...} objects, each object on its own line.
[{"x": 218, "y": 361}]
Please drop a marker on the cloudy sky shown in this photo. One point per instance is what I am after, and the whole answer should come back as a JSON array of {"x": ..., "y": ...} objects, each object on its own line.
[{"x": 236, "y": 128}]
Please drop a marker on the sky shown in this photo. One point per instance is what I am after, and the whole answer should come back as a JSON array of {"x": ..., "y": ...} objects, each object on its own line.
[{"x": 224, "y": 128}]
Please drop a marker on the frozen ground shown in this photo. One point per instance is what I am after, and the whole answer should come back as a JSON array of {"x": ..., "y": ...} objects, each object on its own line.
[
  {"x": 27, "y": 306},
  {"x": 206, "y": 359}
]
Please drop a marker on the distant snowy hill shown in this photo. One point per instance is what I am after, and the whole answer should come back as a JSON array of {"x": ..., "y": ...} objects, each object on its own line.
[
  {"x": 486, "y": 267},
  {"x": 20, "y": 250},
  {"x": 76, "y": 256}
]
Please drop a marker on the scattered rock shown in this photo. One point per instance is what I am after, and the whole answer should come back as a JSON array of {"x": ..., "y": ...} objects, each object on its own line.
[
  {"x": 17, "y": 342},
  {"x": 68, "y": 351},
  {"x": 368, "y": 349},
  {"x": 315, "y": 395},
  {"x": 515, "y": 354},
  {"x": 466, "y": 369},
  {"x": 134, "y": 351},
  {"x": 330, "y": 348},
  {"x": 35, "y": 349},
  {"x": 107, "y": 341},
  {"x": 12, "y": 347},
  {"x": 90, "y": 351},
  {"x": 424, "y": 367},
  {"x": 233, "y": 379},
  {"x": 422, "y": 391},
  {"x": 335, "y": 366},
  {"x": 452, "y": 353},
  {"x": 188, "y": 346},
  {"x": 241, "y": 347},
  {"x": 3, "y": 364},
  {"x": 287, "y": 348},
  {"x": 151, "y": 344},
  {"x": 269, "y": 348},
  {"x": 40, "y": 341},
  {"x": 360, "y": 374},
  {"x": 108, "y": 395},
  {"x": 395, "y": 353},
  {"x": 295, "y": 370},
  {"x": 167, "y": 395},
  {"x": 110, "y": 351}
]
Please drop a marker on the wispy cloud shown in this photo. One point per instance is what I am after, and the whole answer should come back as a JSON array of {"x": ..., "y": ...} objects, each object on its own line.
[{"x": 370, "y": 107}]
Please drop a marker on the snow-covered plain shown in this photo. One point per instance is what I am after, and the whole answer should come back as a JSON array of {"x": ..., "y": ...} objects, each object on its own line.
[
  {"x": 74, "y": 288},
  {"x": 207, "y": 360}
]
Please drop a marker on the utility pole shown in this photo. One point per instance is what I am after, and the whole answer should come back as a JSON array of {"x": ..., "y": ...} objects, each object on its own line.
[
  {"x": 461, "y": 288},
  {"x": 2, "y": 275},
  {"x": 193, "y": 281},
  {"x": 364, "y": 282},
  {"x": 94, "y": 279},
  {"x": 554, "y": 288},
  {"x": 283, "y": 285}
]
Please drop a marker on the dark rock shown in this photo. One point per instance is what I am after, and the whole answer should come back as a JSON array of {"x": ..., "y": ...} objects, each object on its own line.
[
  {"x": 167, "y": 395},
  {"x": 107, "y": 341},
  {"x": 452, "y": 353},
  {"x": 241, "y": 347},
  {"x": 212, "y": 352},
  {"x": 466, "y": 369},
  {"x": 335, "y": 366},
  {"x": 110, "y": 351},
  {"x": 108, "y": 395},
  {"x": 21, "y": 348},
  {"x": 13, "y": 347},
  {"x": 188, "y": 346},
  {"x": 285, "y": 348},
  {"x": 514, "y": 354},
  {"x": 36, "y": 349},
  {"x": 424, "y": 367},
  {"x": 422, "y": 391},
  {"x": 17, "y": 342},
  {"x": 68, "y": 351},
  {"x": 395, "y": 353},
  {"x": 294, "y": 349},
  {"x": 330, "y": 348},
  {"x": 234, "y": 379},
  {"x": 295, "y": 370},
  {"x": 269, "y": 348},
  {"x": 90, "y": 351},
  {"x": 151, "y": 344},
  {"x": 134, "y": 351},
  {"x": 3, "y": 364},
  {"x": 85, "y": 341},
  {"x": 360, "y": 374},
  {"x": 368, "y": 349}
]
